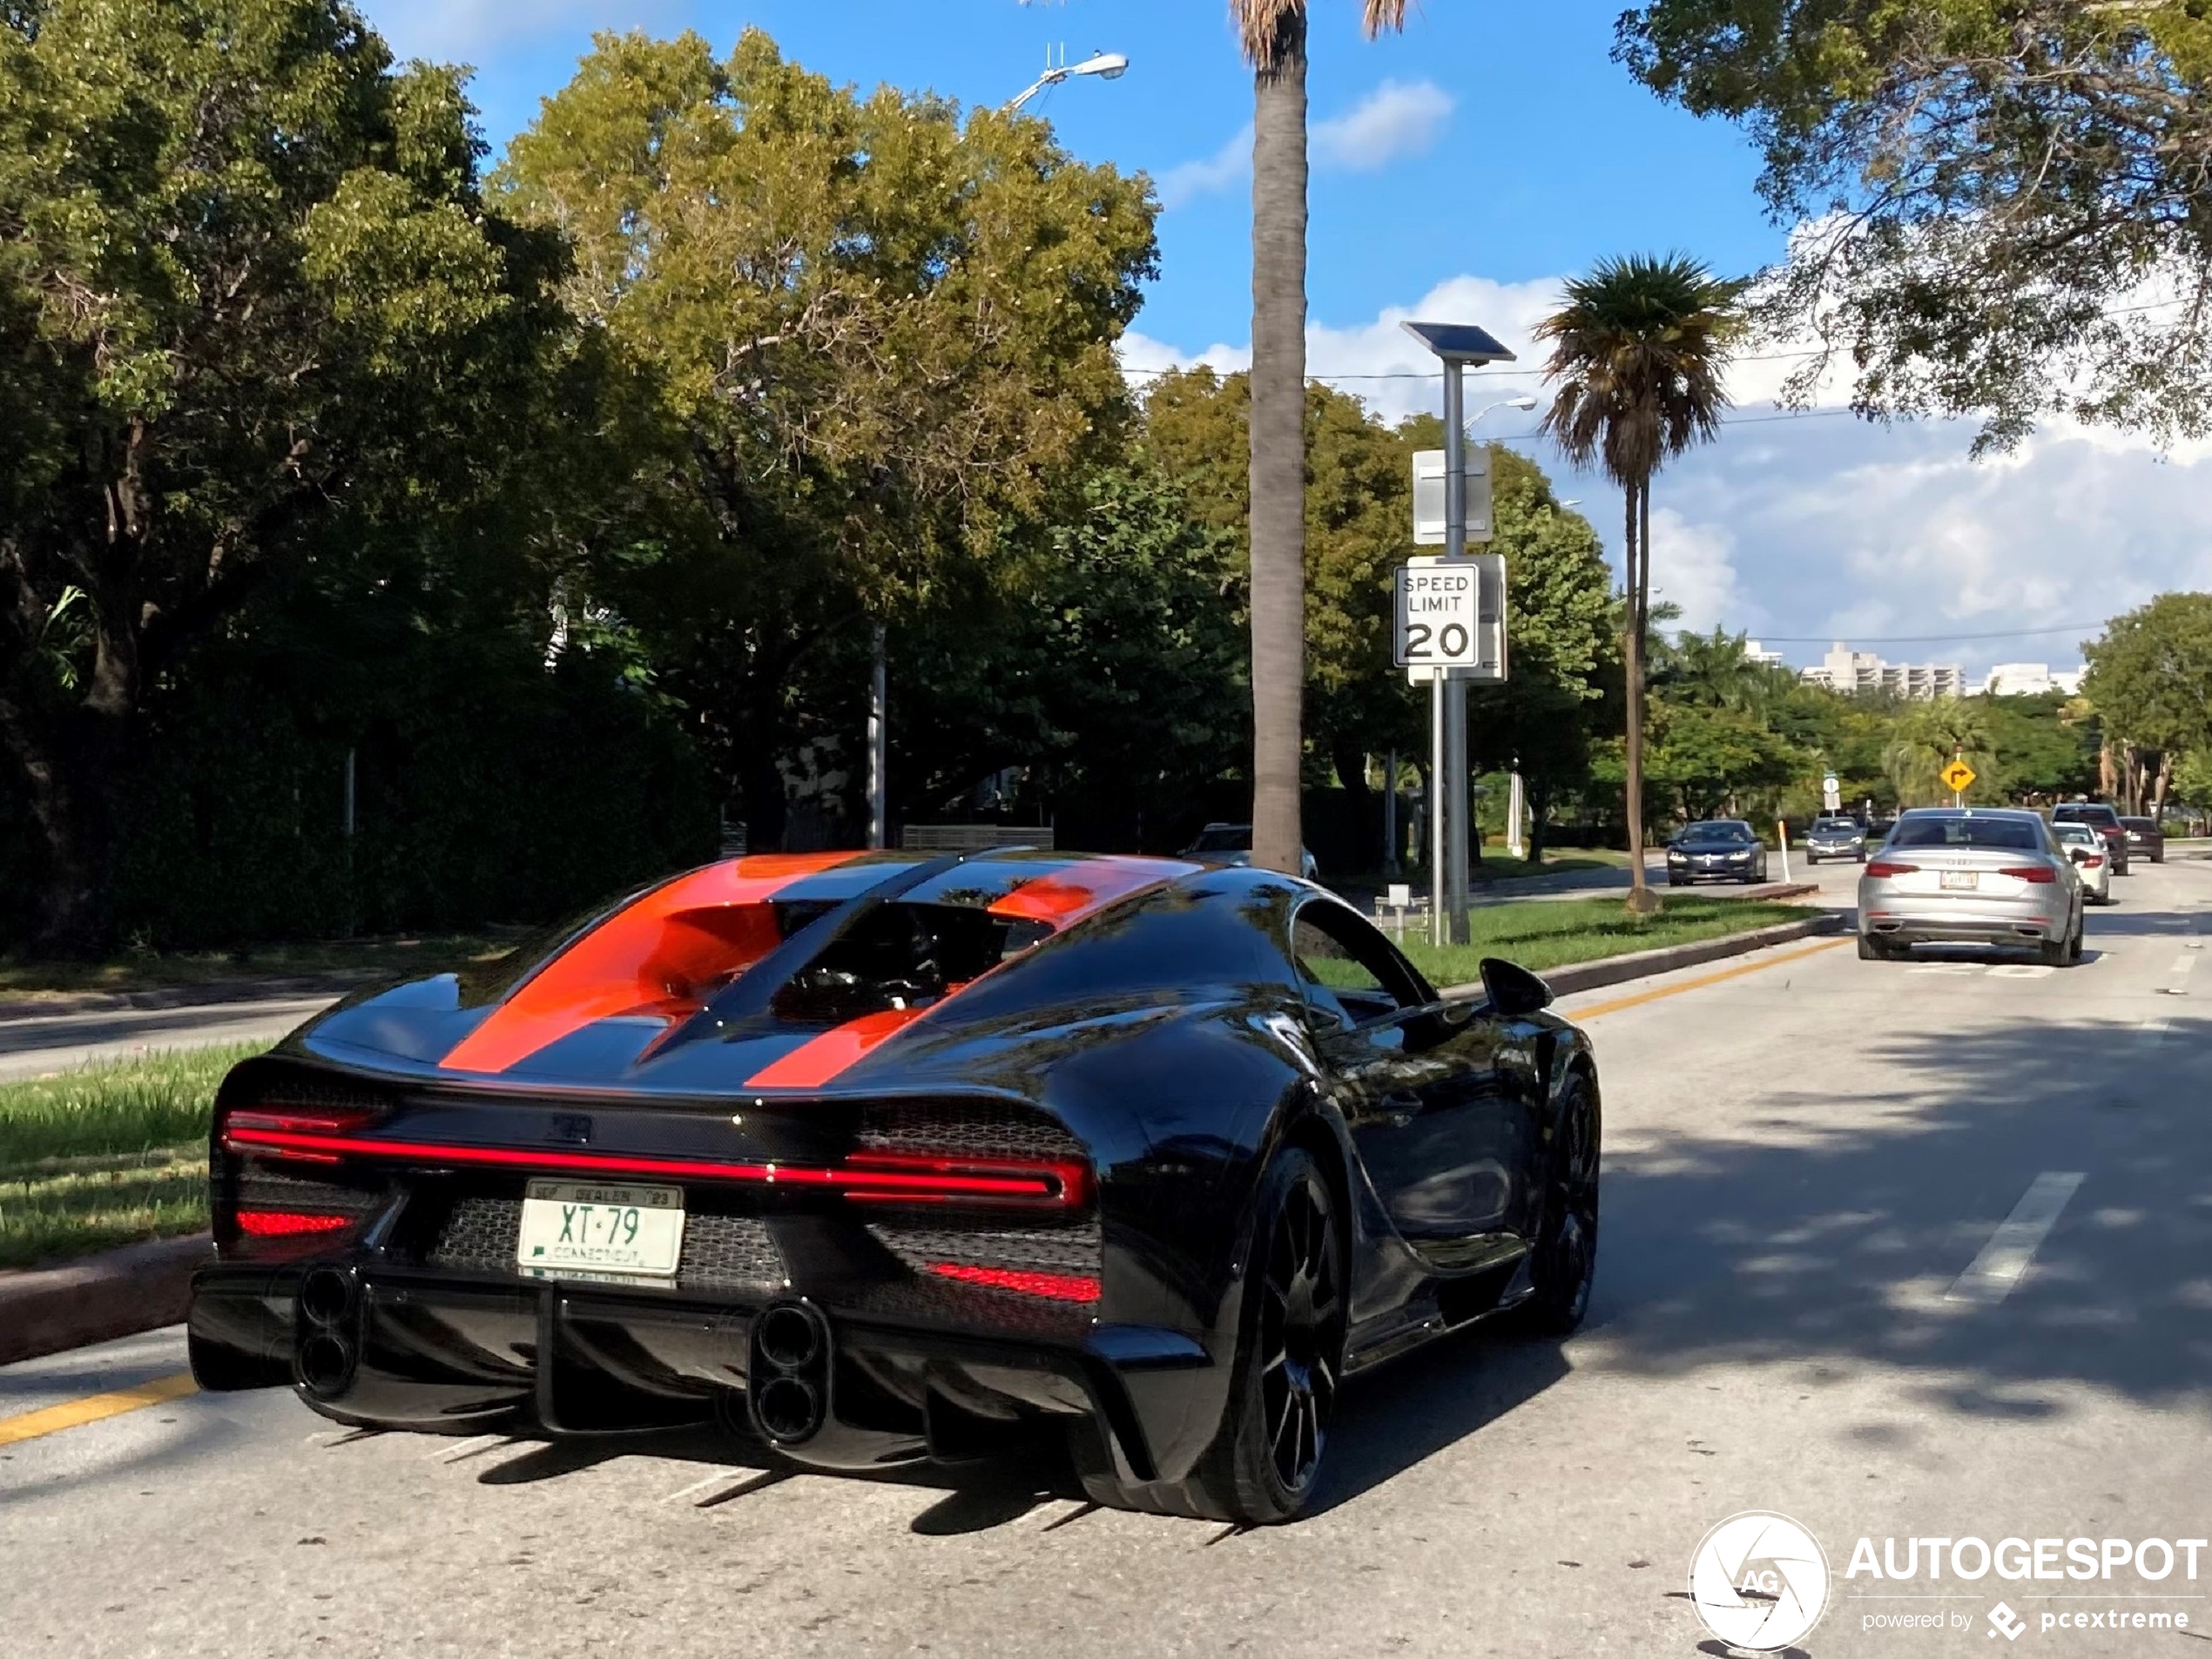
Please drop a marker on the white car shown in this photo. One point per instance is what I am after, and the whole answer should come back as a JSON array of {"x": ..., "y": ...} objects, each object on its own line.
[
  {"x": 2092, "y": 861},
  {"x": 1233, "y": 844}
]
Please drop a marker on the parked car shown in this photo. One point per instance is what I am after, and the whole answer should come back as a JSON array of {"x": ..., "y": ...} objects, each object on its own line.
[
  {"x": 865, "y": 1150},
  {"x": 2144, "y": 836},
  {"x": 2105, "y": 820},
  {"x": 1971, "y": 875},
  {"x": 2087, "y": 848},
  {"x": 1718, "y": 849},
  {"x": 1836, "y": 838},
  {"x": 1232, "y": 844}
]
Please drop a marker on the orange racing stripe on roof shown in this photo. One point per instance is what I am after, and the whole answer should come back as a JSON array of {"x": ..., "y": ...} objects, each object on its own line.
[{"x": 659, "y": 955}]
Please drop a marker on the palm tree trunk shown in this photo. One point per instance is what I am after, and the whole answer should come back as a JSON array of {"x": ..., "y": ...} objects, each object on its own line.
[
  {"x": 1639, "y": 561},
  {"x": 1279, "y": 444}
]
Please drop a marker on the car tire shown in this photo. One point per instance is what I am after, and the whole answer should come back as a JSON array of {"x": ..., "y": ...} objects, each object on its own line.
[
  {"x": 1563, "y": 1264},
  {"x": 1872, "y": 949},
  {"x": 1290, "y": 1360},
  {"x": 2056, "y": 953}
]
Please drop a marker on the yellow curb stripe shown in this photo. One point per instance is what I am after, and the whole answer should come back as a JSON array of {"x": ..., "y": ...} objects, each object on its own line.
[
  {"x": 1698, "y": 984},
  {"x": 77, "y": 1412}
]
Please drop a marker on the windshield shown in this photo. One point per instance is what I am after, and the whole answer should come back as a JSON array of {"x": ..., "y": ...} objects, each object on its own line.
[
  {"x": 1729, "y": 832},
  {"x": 2010, "y": 834},
  {"x": 2079, "y": 833},
  {"x": 1232, "y": 838},
  {"x": 1835, "y": 826}
]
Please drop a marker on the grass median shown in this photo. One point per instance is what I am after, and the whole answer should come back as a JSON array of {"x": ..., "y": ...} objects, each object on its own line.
[
  {"x": 1540, "y": 935},
  {"x": 107, "y": 1156}
]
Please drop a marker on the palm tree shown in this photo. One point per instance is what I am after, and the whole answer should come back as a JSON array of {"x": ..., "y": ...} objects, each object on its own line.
[
  {"x": 1929, "y": 736},
  {"x": 1637, "y": 353},
  {"x": 1273, "y": 35}
]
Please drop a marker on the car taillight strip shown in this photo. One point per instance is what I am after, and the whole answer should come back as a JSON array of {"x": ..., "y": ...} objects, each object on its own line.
[
  {"x": 1044, "y": 1185},
  {"x": 2038, "y": 873},
  {"x": 1881, "y": 868},
  {"x": 1059, "y": 1287},
  {"x": 287, "y": 1223}
]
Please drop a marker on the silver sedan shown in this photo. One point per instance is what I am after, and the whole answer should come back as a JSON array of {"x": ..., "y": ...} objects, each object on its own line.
[
  {"x": 2092, "y": 859},
  {"x": 1972, "y": 876}
]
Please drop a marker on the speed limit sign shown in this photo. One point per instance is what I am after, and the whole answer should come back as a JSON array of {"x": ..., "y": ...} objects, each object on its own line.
[{"x": 1451, "y": 617}]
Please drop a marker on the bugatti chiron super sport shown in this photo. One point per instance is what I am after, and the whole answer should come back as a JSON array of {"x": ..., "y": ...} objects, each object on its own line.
[{"x": 885, "y": 1157}]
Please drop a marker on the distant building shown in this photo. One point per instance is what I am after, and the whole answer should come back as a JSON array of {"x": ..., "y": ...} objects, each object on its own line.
[
  {"x": 2031, "y": 679},
  {"x": 1755, "y": 652},
  {"x": 1848, "y": 670}
]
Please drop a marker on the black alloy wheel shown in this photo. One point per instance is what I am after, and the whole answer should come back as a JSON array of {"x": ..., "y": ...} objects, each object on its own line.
[
  {"x": 1564, "y": 1263},
  {"x": 1300, "y": 1348}
]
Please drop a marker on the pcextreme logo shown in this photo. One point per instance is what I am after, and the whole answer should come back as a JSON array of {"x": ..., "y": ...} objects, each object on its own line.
[{"x": 1759, "y": 1581}]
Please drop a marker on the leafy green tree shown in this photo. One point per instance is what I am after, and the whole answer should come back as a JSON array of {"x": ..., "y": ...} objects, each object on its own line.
[
  {"x": 1273, "y": 35},
  {"x": 875, "y": 339},
  {"x": 1637, "y": 351},
  {"x": 1981, "y": 191},
  {"x": 1927, "y": 738},
  {"x": 250, "y": 300},
  {"x": 1710, "y": 757},
  {"x": 2037, "y": 755},
  {"x": 2150, "y": 683}
]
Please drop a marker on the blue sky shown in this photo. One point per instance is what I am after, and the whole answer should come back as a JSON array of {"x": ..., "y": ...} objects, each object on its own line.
[{"x": 1462, "y": 171}]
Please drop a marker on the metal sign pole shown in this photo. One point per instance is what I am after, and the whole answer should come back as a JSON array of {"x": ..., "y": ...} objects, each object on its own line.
[
  {"x": 1437, "y": 934},
  {"x": 1455, "y": 690}
]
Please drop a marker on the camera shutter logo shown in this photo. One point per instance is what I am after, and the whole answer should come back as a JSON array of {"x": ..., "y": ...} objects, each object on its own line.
[{"x": 1759, "y": 1581}]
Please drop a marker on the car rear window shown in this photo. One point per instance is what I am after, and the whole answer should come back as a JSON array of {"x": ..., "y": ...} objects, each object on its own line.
[
  {"x": 2086, "y": 814},
  {"x": 2139, "y": 823},
  {"x": 2011, "y": 836}
]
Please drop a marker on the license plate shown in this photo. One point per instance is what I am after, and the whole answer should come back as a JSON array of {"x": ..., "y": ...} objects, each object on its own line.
[
  {"x": 584, "y": 1227},
  {"x": 1960, "y": 880}
]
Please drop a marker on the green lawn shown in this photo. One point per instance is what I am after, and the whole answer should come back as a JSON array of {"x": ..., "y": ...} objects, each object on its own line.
[
  {"x": 1541, "y": 936},
  {"x": 107, "y": 1156},
  {"x": 151, "y": 970}
]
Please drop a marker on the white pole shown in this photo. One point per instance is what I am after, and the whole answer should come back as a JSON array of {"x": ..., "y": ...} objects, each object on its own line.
[
  {"x": 879, "y": 749},
  {"x": 1783, "y": 826}
]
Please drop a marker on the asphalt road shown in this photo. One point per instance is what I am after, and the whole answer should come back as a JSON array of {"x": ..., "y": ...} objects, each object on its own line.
[
  {"x": 44, "y": 1044},
  {"x": 1809, "y": 1301}
]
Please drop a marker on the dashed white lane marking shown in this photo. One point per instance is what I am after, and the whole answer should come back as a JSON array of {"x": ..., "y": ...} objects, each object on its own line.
[
  {"x": 454, "y": 1453},
  {"x": 720, "y": 1477},
  {"x": 2181, "y": 966},
  {"x": 1993, "y": 1274}
]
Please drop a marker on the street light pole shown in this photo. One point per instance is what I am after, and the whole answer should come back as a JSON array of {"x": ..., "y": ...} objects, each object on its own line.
[{"x": 1108, "y": 66}]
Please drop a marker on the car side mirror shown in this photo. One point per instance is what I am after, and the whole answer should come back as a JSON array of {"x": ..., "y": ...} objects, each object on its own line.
[{"x": 1513, "y": 990}]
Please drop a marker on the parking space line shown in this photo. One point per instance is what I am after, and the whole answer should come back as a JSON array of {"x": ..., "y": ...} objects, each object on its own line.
[
  {"x": 74, "y": 1413},
  {"x": 1699, "y": 984},
  {"x": 2005, "y": 1258}
]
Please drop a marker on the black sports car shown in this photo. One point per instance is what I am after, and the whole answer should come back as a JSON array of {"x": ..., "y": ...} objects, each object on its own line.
[
  {"x": 1718, "y": 849},
  {"x": 898, "y": 1159}
]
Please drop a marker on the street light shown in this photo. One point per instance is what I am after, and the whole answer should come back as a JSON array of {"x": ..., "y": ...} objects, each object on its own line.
[
  {"x": 1108, "y": 66},
  {"x": 1524, "y": 403}
]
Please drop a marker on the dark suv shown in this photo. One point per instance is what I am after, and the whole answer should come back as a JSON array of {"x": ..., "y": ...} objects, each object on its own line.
[{"x": 2102, "y": 818}]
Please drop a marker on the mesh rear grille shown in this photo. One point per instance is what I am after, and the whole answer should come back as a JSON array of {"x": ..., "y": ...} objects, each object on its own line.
[
  {"x": 720, "y": 1252},
  {"x": 1077, "y": 1250},
  {"x": 260, "y": 1189},
  {"x": 981, "y": 1130}
]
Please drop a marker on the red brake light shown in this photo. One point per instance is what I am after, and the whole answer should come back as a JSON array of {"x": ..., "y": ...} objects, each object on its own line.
[
  {"x": 287, "y": 1224},
  {"x": 929, "y": 1177},
  {"x": 1881, "y": 867},
  {"x": 2036, "y": 873},
  {"x": 1059, "y": 1287},
  {"x": 2093, "y": 861}
]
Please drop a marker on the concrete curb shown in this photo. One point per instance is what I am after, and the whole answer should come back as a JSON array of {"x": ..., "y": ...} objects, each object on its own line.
[
  {"x": 1577, "y": 977},
  {"x": 213, "y": 994},
  {"x": 117, "y": 1294}
]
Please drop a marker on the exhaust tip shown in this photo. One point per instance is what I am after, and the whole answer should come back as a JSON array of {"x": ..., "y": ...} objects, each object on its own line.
[
  {"x": 789, "y": 1337},
  {"x": 789, "y": 1410},
  {"x": 326, "y": 1295},
  {"x": 325, "y": 1364}
]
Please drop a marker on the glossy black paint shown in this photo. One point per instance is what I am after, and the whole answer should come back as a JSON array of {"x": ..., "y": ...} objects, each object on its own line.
[{"x": 1171, "y": 1040}]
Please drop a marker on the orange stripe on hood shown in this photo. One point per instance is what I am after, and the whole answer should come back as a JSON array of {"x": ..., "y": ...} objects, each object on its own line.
[
  {"x": 1062, "y": 899},
  {"x": 660, "y": 955}
]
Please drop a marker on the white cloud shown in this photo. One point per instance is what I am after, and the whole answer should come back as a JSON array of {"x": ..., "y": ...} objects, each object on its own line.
[
  {"x": 1399, "y": 119},
  {"x": 450, "y": 31},
  {"x": 1823, "y": 525},
  {"x": 1209, "y": 174}
]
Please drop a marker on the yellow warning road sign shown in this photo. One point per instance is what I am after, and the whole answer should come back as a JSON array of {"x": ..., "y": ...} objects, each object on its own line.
[{"x": 1958, "y": 777}]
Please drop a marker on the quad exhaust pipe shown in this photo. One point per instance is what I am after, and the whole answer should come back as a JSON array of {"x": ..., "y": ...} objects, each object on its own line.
[
  {"x": 328, "y": 1348},
  {"x": 788, "y": 1374}
]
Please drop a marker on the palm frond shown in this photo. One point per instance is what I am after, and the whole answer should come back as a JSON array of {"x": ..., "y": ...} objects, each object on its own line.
[
  {"x": 1261, "y": 29},
  {"x": 1375, "y": 16}
]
